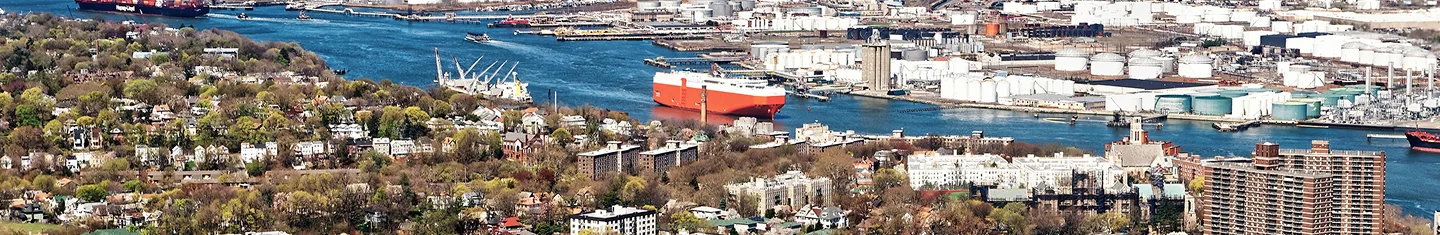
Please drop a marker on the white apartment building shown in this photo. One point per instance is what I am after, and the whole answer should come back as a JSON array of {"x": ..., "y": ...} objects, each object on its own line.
[
  {"x": 1028, "y": 172},
  {"x": 619, "y": 220},
  {"x": 792, "y": 189}
]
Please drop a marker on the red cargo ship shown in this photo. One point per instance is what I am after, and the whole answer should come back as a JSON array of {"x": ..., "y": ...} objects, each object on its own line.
[
  {"x": 732, "y": 96},
  {"x": 1423, "y": 141},
  {"x": 176, "y": 8}
]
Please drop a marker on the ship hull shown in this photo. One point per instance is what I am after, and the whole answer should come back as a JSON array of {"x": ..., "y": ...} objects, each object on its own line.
[
  {"x": 190, "y": 12},
  {"x": 718, "y": 102},
  {"x": 1417, "y": 143}
]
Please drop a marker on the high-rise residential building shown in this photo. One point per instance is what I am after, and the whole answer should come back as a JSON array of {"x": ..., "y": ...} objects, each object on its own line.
[
  {"x": 617, "y": 220},
  {"x": 791, "y": 189},
  {"x": 1295, "y": 191},
  {"x": 673, "y": 154},
  {"x": 614, "y": 158},
  {"x": 875, "y": 62}
]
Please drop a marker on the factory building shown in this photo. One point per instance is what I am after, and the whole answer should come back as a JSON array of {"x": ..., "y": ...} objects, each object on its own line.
[{"x": 1294, "y": 191}]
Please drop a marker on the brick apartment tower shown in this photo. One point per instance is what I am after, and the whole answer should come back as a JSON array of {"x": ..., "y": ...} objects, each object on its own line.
[{"x": 1295, "y": 191}]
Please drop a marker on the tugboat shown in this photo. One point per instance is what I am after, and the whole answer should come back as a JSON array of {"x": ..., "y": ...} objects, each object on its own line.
[
  {"x": 242, "y": 16},
  {"x": 1423, "y": 141},
  {"x": 302, "y": 16},
  {"x": 477, "y": 37}
]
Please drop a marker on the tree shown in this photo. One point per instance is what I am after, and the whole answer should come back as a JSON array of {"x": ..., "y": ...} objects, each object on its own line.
[
  {"x": 92, "y": 193},
  {"x": 44, "y": 183},
  {"x": 142, "y": 90},
  {"x": 562, "y": 136},
  {"x": 1197, "y": 185},
  {"x": 633, "y": 187},
  {"x": 687, "y": 221},
  {"x": 1012, "y": 218},
  {"x": 135, "y": 186},
  {"x": 1109, "y": 222}
]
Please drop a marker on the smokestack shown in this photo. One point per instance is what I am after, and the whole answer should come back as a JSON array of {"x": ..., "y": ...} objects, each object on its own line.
[
  {"x": 704, "y": 105},
  {"x": 1367, "y": 79},
  {"x": 1390, "y": 77}
]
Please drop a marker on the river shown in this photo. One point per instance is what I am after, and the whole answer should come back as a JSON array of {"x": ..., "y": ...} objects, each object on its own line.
[{"x": 610, "y": 75}]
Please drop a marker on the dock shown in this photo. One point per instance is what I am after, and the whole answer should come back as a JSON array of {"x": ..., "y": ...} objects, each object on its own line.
[
  {"x": 1384, "y": 136},
  {"x": 1235, "y": 126},
  {"x": 808, "y": 95},
  {"x": 626, "y": 37},
  {"x": 669, "y": 63}
]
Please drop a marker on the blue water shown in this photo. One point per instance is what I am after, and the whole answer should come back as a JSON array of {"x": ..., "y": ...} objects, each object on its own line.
[{"x": 610, "y": 75}]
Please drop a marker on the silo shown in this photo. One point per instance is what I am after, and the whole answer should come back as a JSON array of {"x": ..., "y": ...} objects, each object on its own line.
[
  {"x": 1071, "y": 59},
  {"x": 1172, "y": 103},
  {"x": 1107, "y": 64},
  {"x": 1350, "y": 51},
  {"x": 1145, "y": 68},
  {"x": 1026, "y": 85},
  {"x": 987, "y": 91},
  {"x": 914, "y": 54},
  {"x": 1288, "y": 111},
  {"x": 1196, "y": 66},
  {"x": 1211, "y": 105},
  {"x": 721, "y": 9}
]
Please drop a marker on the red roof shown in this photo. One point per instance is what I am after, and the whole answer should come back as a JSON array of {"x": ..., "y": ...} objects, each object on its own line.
[{"x": 510, "y": 222}]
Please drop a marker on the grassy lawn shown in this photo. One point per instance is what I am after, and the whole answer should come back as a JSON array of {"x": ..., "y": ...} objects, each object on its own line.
[{"x": 27, "y": 227}]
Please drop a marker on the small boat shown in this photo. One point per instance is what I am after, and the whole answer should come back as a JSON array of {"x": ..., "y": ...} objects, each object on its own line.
[
  {"x": 303, "y": 16},
  {"x": 340, "y": 71},
  {"x": 477, "y": 37},
  {"x": 242, "y": 16}
]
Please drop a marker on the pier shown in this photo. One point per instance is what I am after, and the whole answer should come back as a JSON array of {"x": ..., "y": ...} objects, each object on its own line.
[
  {"x": 1384, "y": 136},
  {"x": 626, "y": 37},
  {"x": 669, "y": 63}
]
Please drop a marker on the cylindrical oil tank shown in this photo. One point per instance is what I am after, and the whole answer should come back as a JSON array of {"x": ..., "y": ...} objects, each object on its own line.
[
  {"x": 972, "y": 90},
  {"x": 1172, "y": 103},
  {"x": 992, "y": 29},
  {"x": 1312, "y": 106},
  {"x": 1107, "y": 64},
  {"x": 746, "y": 5},
  {"x": 1071, "y": 59},
  {"x": 914, "y": 54},
  {"x": 1302, "y": 94},
  {"x": 1144, "y": 53},
  {"x": 1367, "y": 54},
  {"x": 1211, "y": 105},
  {"x": 1350, "y": 51},
  {"x": 1167, "y": 64},
  {"x": 1288, "y": 111},
  {"x": 721, "y": 9},
  {"x": 647, "y": 5},
  {"x": 987, "y": 91},
  {"x": 1196, "y": 66},
  {"x": 1234, "y": 93},
  {"x": 1382, "y": 56},
  {"x": 1330, "y": 99},
  {"x": 1003, "y": 89},
  {"x": 1145, "y": 68}
]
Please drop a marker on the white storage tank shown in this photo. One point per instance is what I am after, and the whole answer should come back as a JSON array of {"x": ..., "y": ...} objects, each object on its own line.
[
  {"x": 1003, "y": 89},
  {"x": 1367, "y": 54},
  {"x": 1301, "y": 43},
  {"x": 1417, "y": 59},
  {"x": 1144, "y": 53},
  {"x": 987, "y": 91},
  {"x": 1071, "y": 59},
  {"x": 1196, "y": 66},
  {"x": 1350, "y": 51},
  {"x": 1145, "y": 68},
  {"x": 1167, "y": 64},
  {"x": 1280, "y": 26},
  {"x": 1025, "y": 85},
  {"x": 972, "y": 90},
  {"x": 1107, "y": 64},
  {"x": 1382, "y": 56},
  {"x": 1397, "y": 55}
]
